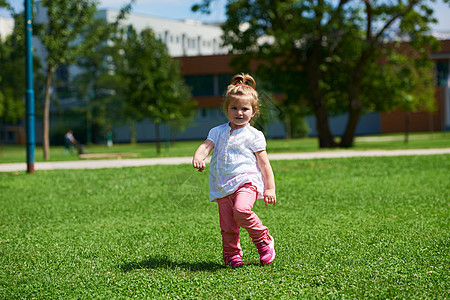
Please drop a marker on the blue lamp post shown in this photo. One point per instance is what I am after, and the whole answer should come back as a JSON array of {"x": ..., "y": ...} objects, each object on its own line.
[{"x": 29, "y": 92}]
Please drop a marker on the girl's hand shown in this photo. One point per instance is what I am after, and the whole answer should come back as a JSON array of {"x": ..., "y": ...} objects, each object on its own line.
[
  {"x": 266, "y": 170},
  {"x": 198, "y": 161},
  {"x": 199, "y": 164},
  {"x": 270, "y": 197}
]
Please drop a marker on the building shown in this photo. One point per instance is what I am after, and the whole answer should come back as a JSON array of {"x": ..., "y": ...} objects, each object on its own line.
[
  {"x": 6, "y": 27},
  {"x": 182, "y": 37},
  {"x": 205, "y": 67}
]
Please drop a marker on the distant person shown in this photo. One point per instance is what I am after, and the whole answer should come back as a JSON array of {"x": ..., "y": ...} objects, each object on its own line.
[
  {"x": 69, "y": 142},
  {"x": 240, "y": 172}
]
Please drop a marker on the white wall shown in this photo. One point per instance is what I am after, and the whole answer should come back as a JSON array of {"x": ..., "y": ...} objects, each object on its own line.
[
  {"x": 183, "y": 38},
  {"x": 6, "y": 27}
]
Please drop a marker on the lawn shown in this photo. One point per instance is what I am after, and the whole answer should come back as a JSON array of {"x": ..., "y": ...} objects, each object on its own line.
[
  {"x": 344, "y": 228},
  {"x": 17, "y": 153}
]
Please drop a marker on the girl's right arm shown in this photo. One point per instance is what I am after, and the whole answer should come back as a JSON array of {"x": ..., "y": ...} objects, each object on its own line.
[{"x": 201, "y": 154}]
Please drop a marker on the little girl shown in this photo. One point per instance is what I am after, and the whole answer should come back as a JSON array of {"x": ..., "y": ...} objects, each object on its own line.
[{"x": 240, "y": 172}]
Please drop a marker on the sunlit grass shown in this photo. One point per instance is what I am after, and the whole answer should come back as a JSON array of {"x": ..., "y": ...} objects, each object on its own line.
[{"x": 344, "y": 228}]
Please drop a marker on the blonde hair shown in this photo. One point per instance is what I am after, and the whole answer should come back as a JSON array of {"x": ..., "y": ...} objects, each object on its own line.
[{"x": 242, "y": 85}]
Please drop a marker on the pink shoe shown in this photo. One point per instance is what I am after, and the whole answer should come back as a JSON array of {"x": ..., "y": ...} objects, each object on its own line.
[
  {"x": 266, "y": 251},
  {"x": 234, "y": 261}
]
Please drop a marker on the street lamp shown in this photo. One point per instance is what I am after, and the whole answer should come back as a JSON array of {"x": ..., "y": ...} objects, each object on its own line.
[{"x": 29, "y": 89}]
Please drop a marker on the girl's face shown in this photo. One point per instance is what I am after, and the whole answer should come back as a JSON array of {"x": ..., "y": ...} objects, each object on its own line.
[{"x": 240, "y": 112}]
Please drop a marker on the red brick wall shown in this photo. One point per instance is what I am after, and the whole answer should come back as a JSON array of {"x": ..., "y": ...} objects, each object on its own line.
[
  {"x": 206, "y": 65},
  {"x": 209, "y": 101}
]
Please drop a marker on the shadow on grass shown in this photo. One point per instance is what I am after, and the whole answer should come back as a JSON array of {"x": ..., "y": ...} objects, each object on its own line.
[{"x": 164, "y": 263}]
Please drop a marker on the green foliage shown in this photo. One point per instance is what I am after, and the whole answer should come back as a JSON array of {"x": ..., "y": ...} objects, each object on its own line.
[
  {"x": 269, "y": 109},
  {"x": 294, "y": 120},
  {"x": 12, "y": 73},
  {"x": 416, "y": 84},
  {"x": 344, "y": 228},
  {"x": 65, "y": 35},
  {"x": 4, "y": 3},
  {"x": 154, "y": 86}
]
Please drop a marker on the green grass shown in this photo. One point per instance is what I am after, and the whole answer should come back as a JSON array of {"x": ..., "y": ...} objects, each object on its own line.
[
  {"x": 344, "y": 228},
  {"x": 17, "y": 153}
]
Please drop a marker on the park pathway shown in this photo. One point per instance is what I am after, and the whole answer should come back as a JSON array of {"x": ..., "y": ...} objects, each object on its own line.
[{"x": 137, "y": 162}]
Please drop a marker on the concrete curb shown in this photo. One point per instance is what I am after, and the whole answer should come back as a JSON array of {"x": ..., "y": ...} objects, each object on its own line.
[{"x": 138, "y": 162}]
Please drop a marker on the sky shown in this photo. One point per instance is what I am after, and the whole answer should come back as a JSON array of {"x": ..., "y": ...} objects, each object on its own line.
[{"x": 181, "y": 9}]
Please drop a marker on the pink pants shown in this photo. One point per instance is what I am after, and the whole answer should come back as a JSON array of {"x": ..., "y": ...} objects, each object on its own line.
[{"x": 235, "y": 211}]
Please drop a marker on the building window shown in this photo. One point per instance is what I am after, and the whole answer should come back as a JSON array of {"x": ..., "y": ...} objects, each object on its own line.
[
  {"x": 202, "y": 85},
  {"x": 223, "y": 81},
  {"x": 62, "y": 73},
  {"x": 442, "y": 72},
  {"x": 191, "y": 43},
  {"x": 62, "y": 86}
]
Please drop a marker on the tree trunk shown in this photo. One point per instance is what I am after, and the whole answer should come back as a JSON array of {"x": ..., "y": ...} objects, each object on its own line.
[
  {"x": 173, "y": 132},
  {"x": 355, "y": 106},
  {"x": 158, "y": 138},
  {"x": 353, "y": 118},
  {"x": 287, "y": 124},
  {"x": 430, "y": 123},
  {"x": 407, "y": 118},
  {"x": 95, "y": 133},
  {"x": 133, "y": 138},
  {"x": 46, "y": 121},
  {"x": 326, "y": 138}
]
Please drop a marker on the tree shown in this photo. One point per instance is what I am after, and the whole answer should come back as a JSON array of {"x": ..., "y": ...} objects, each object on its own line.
[
  {"x": 401, "y": 21},
  {"x": 98, "y": 87},
  {"x": 12, "y": 73},
  {"x": 64, "y": 36},
  {"x": 11, "y": 91},
  {"x": 67, "y": 35},
  {"x": 416, "y": 82},
  {"x": 155, "y": 88},
  {"x": 322, "y": 51},
  {"x": 99, "y": 82},
  {"x": 10, "y": 108}
]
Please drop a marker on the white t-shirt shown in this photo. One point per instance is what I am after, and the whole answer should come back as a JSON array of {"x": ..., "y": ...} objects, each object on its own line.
[{"x": 233, "y": 162}]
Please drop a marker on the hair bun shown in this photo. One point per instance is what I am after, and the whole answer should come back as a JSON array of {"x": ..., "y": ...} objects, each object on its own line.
[{"x": 243, "y": 79}]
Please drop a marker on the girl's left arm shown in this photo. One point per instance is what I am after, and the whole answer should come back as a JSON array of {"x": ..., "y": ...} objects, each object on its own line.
[{"x": 269, "y": 180}]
